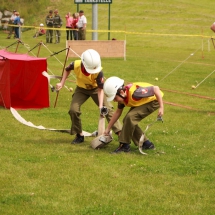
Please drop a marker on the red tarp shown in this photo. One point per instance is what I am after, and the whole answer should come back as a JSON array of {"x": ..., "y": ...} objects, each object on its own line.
[{"x": 22, "y": 84}]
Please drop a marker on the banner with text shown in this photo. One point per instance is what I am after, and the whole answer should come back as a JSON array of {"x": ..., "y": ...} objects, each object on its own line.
[{"x": 93, "y": 1}]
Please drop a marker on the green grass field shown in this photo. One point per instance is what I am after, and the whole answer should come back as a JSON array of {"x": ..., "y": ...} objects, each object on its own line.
[{"x": 42, "y": 173}]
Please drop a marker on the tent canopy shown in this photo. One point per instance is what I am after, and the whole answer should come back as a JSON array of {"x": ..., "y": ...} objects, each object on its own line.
[{"x": 22, "y": 84}]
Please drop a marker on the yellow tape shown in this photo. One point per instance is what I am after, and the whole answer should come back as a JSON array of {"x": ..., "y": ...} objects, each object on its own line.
[{"x": 123, "y": 32}]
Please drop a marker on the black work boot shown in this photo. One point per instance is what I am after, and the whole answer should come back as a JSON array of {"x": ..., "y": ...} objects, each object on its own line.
[
  {"x": 78, "y": 139},
  {"x": 148, "y": 145},
  {"x": 123, "y": 147}
]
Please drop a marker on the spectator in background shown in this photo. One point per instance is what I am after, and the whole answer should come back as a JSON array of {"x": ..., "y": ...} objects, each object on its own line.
[
  {"x": 49, "y": 23},
  {"x": 57, "y": 24},
  {"x": 17, "y": 23},
  {"x": 82, "y": 24},
  {"x": 74, "y": 25},
  {"x": 41, "y": 31},
  {"x": 11, "y": 22},
  {"x": 69, "y": 20}
]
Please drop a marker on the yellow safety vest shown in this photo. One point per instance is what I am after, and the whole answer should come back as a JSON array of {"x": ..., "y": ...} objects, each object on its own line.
[
  {"x": 83, "y": 81},
  {"x": 135, "y": 103}
]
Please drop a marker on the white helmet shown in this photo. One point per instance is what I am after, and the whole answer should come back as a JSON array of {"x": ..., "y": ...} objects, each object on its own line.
[
  {"x": 111, "y": 86},
  {"x": 41, "y": 25},
  {"x": 91, "y": 61}
]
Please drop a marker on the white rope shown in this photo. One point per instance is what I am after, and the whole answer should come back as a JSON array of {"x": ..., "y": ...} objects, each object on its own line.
[
  {"x": 52, "y": 53},
  {"x": 176, "y": 67},
  {"x": 141, "y": 141},
  {"x": 179, "y": 65},
  {"x": 57, "y": 60},
  {"x": 204, "y": 79},
  {"x": 75, "y": 52}
]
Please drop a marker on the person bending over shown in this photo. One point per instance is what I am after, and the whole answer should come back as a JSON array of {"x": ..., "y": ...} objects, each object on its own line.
[
  {"x": 90, "y": 81},
  {"x": 143, "y": 99}
]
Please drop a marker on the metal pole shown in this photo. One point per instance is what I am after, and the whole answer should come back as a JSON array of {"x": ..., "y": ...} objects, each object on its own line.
[
  {"x": 95, "y": 21},
  {"x": 20, "y": 32},
  {"x": 109, "y": 22}
]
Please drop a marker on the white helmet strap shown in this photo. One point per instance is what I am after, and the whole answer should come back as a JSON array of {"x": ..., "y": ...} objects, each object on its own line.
[{"x": 118, "y": 92}]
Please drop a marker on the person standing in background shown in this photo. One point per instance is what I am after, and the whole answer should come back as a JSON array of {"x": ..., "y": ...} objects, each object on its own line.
[
  {"x": 74, "y": 25},
  {"x": 17, "y": 22},
  {"x": 11, "y": 22},
  {"x": 82, "y": 24},
  {"x": 49, "y": 23},
  {"x": 69, "y": 20},
  {"x": 57, "y": 24}
]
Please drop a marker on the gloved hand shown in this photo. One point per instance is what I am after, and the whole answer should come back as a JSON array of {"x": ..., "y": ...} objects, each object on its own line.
[{"x": 103, "y": 111}]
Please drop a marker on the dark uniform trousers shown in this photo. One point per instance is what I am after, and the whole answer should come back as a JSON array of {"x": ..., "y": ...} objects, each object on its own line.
[
  {"x": 81, "y": 34},
  {"x": 49, "y": 34},
  {"x": 79, "y": 97},
  {"x": 131, "y": 130}
]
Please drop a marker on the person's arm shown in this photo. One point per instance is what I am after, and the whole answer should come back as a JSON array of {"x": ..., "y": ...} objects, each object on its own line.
[
  {"x": 84, "y": 23},
  {"x": 77, "y": 22},
  {"x": 160, "y": 100},
  {"x": 62, "y": 82},
  {"x": 71, "y": 22},
  {"x": 114, "y": 118},
  {"x": 84, "y": 26},
  {"x": 100, "y": 97},
  {"x": 100, "y": 83}
]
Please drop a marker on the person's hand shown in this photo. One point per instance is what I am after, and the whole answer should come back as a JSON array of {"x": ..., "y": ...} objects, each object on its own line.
[
  {"x": 106, "y": 132},
  {"x": 58, "y": 86},
  {"x": 160, "y": 112}
]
